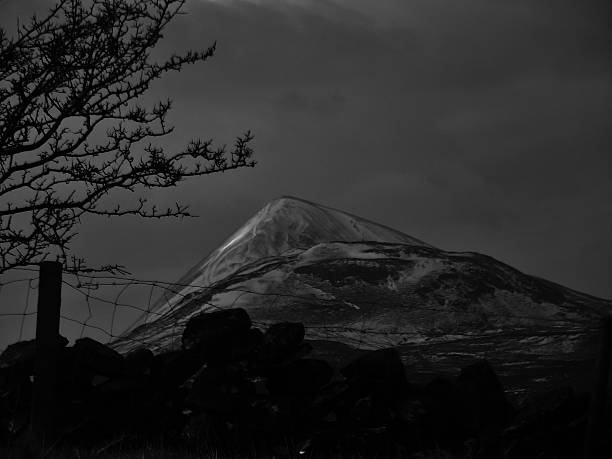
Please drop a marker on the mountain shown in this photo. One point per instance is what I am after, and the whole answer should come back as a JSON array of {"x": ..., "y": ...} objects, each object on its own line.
[
  {"x": 364, "y": 285},
  {"x": 284, "y": 225}
]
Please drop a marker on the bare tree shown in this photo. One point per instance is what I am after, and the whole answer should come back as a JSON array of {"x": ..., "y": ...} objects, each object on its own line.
[{"x": 72, "y": 133}]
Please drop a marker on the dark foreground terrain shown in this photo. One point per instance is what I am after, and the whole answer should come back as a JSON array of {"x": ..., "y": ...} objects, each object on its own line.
[
  {"x": 521, "y": 372},
  {"x": 232, "y": 390}
]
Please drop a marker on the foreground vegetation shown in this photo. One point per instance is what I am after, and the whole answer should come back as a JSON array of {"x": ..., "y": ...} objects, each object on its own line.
[{"x": 160, "y": 452}]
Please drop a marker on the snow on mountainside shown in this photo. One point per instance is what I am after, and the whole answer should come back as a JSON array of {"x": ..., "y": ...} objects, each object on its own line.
[
  {"x": 281, "y": 226},
  {"x": 364, "y": 285}
]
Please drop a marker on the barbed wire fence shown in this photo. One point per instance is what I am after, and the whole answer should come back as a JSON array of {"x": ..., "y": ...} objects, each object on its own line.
[
  {"x": 104, "y": 307},
  {"x": 29, "y": 285},
  {"x": 91, "y": 300},
  {"x": 95, "y": 306}
]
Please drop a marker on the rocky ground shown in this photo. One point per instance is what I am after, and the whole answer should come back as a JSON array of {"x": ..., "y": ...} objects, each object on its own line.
[{"x": 237, "y": 389}]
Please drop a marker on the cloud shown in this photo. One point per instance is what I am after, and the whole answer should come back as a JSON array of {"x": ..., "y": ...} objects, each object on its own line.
[
  {"x": 321, "y": 104},
  {"x": 493, "y": 114},
  {"x": 476, "y": 125}
]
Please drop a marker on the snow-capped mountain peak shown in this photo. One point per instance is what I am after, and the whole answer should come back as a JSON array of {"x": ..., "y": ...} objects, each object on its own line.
[
  {"x": 285, "y": 224},
  {"x": 362, "y": 284}
]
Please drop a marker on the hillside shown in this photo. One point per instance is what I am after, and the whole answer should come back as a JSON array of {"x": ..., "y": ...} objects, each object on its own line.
[{"x": 352, "y": 281}]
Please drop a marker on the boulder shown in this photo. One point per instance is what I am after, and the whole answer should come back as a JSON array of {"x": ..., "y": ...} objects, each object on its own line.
[
  {"x": 221, "y": 390},
  {"x": 410, "y": 422},
  {"x": 15, "y": 397},
  {"x": 75, "y": 377},
  {"x": 483, "y": 404},
  {"x": 441, "y": 415},
  {"x": 381, "y": 368},
  {"x": 326, "y": 401},
  {"x": 281, "y": 341},
  {"x": 139, "y": 362},
  {"x": 560, "y": 405},
  {"x": 17, "y": 365},
  {"x": 171, "y": 369},
  {"x": 238, "y": 347},
  {"x": 98, "y": 358},
  {"x": 300, "y": 377},
  {"x": 549, "y": 424},
  {"x": 205, "y": 426},
  {"x": 207, "y": 332},
  {"x": 23, "y": 354},
  {"x": 370, "y": 412},
  {"x": 269, "y": 417}
]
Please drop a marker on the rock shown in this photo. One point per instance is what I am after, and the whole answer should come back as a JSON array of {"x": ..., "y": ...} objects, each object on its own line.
[
  {"x": 17, "y": 365},
  {"x": 300, "y": 377},
  {"x": 409, "y": 425},
  {"x": 368, "y": 442},
  {"x": 410, "y": 409},
  {"x": 281, "y": 341},
  {"x": 139, "y": 361},
  {"x": 171, "y": 369},
  {"x": 239, "y": 347},
  {"x": 549, "y": 424},
  {"x": 482, "y": 400},
  {"x": 75, "y": 378},
  {"x": 326, "y": 401},
  {"x": 15, "y": 397},
  {"x": 23, "y": 354},
  {"x": 269, "y": 417},
  {"x": 324, "y": 442},
  {"x": 370, "y": 412},
  {"x": 382, "y": 368},
  {"x": 205, "y": 425},
  {"x": 441, "y": 418},
  {"x": 221, "y": 390},
  {"x": 97, "y": 358},
  {"x": 206, "y": 332},
  {"x": 559, "y": 406}
]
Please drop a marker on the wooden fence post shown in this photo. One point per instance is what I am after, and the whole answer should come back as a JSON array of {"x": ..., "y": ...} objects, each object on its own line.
[
  {"x": 43, "y": 420},
  {"x": 593, "y": 437}
]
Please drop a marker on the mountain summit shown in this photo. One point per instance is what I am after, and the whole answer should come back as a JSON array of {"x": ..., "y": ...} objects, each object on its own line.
[{"x": 283, "y": 225}]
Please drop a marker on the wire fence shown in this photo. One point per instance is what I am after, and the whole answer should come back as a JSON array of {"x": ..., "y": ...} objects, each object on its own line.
[
  {"x": 108, "y": 307},
  {"x": 94, "y": 306},
  {"x": 24, "y": 309}
]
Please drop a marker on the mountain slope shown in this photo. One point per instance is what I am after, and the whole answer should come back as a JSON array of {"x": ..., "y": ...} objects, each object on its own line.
[
  {"x": 354, "y": 282},
  {"x": 283, "y": 225}
]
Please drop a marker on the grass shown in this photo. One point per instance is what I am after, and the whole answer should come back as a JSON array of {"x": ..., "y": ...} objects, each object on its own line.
[
  {"x": 164, "y": 454},
  {"x": 152, "y": 451}
]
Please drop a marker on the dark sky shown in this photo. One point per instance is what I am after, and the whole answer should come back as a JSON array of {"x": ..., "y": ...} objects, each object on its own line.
[{"x": 480, "y": 125}]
